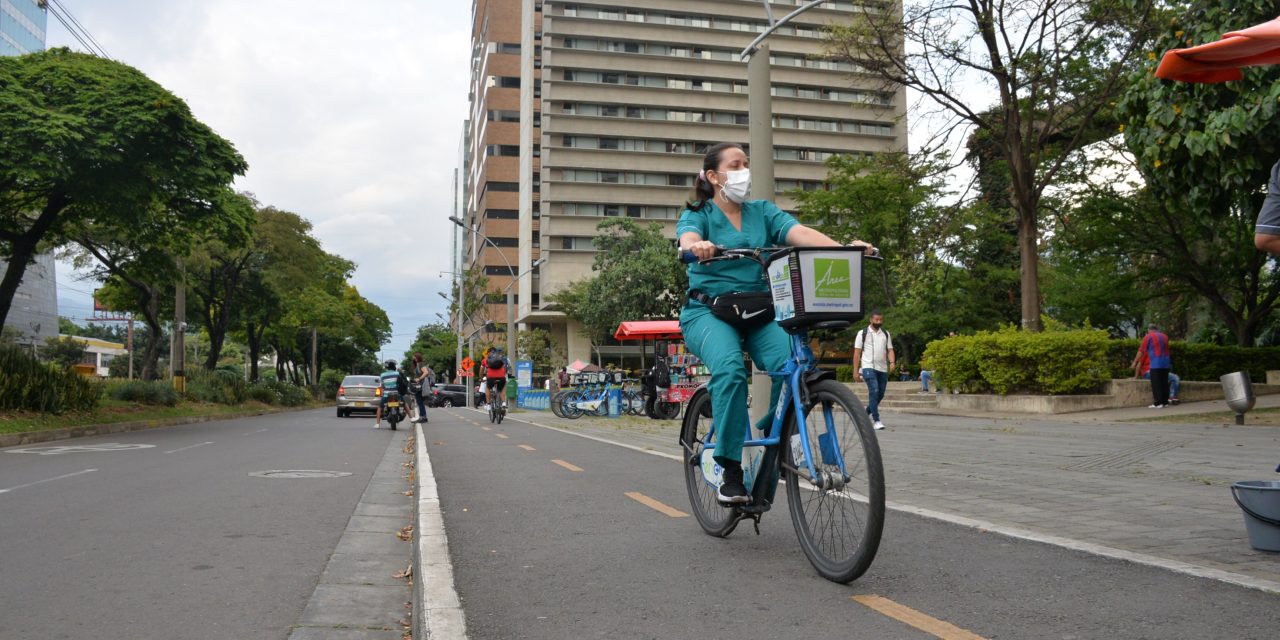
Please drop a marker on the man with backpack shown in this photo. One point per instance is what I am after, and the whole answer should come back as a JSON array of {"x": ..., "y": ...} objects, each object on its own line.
[
  {"x": 873, "y": 359},
  {"x": 497, "y": 368}
]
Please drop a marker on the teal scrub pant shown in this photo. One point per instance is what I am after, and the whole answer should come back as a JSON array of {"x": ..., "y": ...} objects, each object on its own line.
[{"x": 720, "y": 347}]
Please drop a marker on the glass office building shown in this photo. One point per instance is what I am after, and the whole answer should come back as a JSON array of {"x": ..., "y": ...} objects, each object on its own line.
[
  {"x": 22, "y": 26},
  {"x": 34, "y": 314}
]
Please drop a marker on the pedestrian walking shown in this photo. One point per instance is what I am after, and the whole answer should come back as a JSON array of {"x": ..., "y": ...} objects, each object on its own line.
[
  {"x": 421, "y": 373},
  {"x": 1155, "y": 346},
  {"x": 874, "y": 358}
]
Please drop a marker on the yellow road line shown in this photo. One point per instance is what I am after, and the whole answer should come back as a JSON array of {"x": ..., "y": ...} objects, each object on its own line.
[
  {"x": 501, "y": 435},
  {"x": 486, "y": 428},
  {"x": 656, "y": 506},
  {"x": 906, "y": 615},
  {"x": 527, "y": 447},
  {"x": 568, "y": 466}
]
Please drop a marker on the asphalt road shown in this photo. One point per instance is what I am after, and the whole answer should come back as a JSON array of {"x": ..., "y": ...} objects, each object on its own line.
[
  {"x": 164, "y": 534},
  {"x": 546, "y": 543}
]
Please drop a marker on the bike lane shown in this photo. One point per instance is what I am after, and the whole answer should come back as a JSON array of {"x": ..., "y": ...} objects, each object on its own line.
[{"x": 557, "y": 536}]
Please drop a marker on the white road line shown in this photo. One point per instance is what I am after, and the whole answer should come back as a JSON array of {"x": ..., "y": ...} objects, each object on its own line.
[
  {"x": 190, "y": 447},
  {"x": 1176, "y": 566},
  {"x": 32, "y": 484}
]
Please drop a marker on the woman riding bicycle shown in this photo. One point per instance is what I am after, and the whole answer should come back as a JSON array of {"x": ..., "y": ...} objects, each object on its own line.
[{"x": 721, "y": 215}]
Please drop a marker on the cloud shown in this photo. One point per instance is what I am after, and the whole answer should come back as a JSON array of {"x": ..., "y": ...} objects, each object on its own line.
[{"x": 349, "y": 114}]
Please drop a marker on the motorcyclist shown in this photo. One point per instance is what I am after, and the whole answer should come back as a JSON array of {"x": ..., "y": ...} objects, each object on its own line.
[
  {"x": 392, "y": 384},
  {"x": 496, "y": 376}
]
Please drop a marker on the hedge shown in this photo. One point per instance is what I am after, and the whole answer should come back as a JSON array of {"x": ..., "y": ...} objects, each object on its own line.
[
  {"x": 26, "y": 383},
  {"x": 1013, "y": 361},
  {"x": 1197, "y": 361},
  {"x": 156, "y": 392},
  {"x": 220, "y": 386}
]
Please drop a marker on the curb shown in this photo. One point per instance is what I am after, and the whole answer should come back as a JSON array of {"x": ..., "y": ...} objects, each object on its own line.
[
  {"x": 437, "y": 610},
  {"x": 51, "y": 435}
]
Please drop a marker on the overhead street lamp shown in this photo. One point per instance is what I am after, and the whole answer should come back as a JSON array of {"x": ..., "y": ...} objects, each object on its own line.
[{"x": 515, "y": 277}]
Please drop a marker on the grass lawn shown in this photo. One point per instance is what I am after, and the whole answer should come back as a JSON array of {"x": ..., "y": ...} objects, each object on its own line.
[
  {"x": 1262, "y": 417},
  {"x": 114, "y": 411}
]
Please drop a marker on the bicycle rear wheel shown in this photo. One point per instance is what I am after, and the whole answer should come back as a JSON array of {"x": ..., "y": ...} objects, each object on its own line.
[
  {"x": 569, "y": 405},
  {"x": 838, "y": 526},
  {"x": 493, "y": 412},
  {"x": 695, "y": 432}
]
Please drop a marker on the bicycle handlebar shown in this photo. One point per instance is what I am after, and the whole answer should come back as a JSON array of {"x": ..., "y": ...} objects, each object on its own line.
[{"x": 724, "y": 253}]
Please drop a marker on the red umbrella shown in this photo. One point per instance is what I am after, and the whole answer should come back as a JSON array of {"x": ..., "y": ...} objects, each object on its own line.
[{"x": 1221, "y": 61}]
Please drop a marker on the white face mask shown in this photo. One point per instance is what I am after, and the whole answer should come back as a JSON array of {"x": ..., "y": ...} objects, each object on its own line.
[{"x": 737, "y": 185}]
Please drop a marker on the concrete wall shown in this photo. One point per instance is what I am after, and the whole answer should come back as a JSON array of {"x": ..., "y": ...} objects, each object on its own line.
[{"x": 1119, "y": 394}]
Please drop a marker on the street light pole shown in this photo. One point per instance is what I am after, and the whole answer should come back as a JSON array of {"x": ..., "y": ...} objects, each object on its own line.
[
  {"x": 760, "y": 127},
  {"x": 511, "y": 303}
]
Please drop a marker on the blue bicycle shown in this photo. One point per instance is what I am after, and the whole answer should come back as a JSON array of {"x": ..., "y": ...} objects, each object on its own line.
[{"x": 820, "y": 441}]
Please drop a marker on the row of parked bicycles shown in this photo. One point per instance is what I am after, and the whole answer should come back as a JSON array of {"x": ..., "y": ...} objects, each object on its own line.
[{"x": 593, "y": 397}]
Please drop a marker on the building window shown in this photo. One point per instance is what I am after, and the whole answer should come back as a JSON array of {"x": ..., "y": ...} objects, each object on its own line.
[
  {"x": 501, "y": 270},
  {"x": 502, "y": 186},
  {"x": 502, "y": 214}
]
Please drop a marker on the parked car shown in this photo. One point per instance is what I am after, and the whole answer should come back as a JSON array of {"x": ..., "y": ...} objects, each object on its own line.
[
  {"x": 450, "y": 395},
  {"x": 358, "y": 393}
]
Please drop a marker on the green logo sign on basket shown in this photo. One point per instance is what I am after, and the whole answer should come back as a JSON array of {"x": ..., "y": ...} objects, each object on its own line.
[{"x": 833, "y": 278}]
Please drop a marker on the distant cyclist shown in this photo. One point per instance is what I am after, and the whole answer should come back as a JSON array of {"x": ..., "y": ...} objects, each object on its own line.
[
  {"x": 392, "y": 383},
  {"x": 496, "y": 369}
]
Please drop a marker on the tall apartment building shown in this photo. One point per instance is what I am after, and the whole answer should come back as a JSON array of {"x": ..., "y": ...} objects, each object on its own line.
[
  {"x": 625, "y": 97},
  {"x": 34, "y": 314}
]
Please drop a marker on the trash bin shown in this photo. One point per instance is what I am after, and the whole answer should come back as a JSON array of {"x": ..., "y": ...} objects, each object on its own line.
[
  {"x": 1260, "y": 502},
  {"x": 1237, "y": 390}
]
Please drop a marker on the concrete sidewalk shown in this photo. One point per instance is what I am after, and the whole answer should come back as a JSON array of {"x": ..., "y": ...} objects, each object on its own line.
[
  {"x": 1158, "y": 493},
  {"x": 1124, "y": 414}
]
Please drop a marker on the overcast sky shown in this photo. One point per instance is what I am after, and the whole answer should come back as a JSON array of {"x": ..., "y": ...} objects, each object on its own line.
[{"x": 349, "y": 113}]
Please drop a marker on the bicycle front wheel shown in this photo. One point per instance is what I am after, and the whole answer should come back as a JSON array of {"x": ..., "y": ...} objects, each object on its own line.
[
  {"x": 695, "y": 436},
  {"x": 838, "y": 516}
]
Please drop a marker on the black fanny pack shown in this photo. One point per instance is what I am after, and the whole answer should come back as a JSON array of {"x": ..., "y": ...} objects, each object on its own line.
[{"x": 741, "y": 309}]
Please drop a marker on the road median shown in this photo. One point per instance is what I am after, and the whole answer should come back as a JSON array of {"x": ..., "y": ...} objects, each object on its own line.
[{"x": 165, "y": 418}]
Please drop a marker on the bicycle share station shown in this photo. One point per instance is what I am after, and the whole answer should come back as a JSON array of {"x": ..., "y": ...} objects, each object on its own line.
[
  {"x": 819, "y": 441},
  {"x": 682, "y": 372}
]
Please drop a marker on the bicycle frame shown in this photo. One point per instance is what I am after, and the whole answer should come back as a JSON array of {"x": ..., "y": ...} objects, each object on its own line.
[{"x": 801, "y": 362}]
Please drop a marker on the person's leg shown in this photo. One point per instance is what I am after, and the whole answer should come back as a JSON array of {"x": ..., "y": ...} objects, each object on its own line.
[
  {"x": 422, "y": 407},
  {"x": 1160, "y": 386},
  {"x": 883, "y": 378},
  {"x": 925, "y": 377},
  {"x": 873, "y": 393},
  {"x": 377, "y": 416},
  {"x": 719, "y": 347},
  {"x": 1174, "y": 383},
  {"x": 770, "y": 348}
]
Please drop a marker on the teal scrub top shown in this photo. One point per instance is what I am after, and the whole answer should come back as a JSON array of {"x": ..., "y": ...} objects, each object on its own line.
[{"x": 763, "y": 225}]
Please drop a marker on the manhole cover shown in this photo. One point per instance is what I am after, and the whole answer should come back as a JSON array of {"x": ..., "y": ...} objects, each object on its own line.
[{"x": 299, "y": 473}]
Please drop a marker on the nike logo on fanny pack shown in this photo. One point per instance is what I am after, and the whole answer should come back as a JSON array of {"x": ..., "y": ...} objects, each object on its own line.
[{"x": 748, "y": 316}]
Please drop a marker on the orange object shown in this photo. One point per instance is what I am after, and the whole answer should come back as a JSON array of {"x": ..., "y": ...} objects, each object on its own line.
[
  {"x": 467, "y": 365},
  {"x": 1222, "y": 61}
]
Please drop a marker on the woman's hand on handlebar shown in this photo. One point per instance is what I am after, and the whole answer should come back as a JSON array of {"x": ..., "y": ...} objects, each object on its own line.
[
  {"x": 702, "y": 249},
  {"x": 870, "y": 249}
]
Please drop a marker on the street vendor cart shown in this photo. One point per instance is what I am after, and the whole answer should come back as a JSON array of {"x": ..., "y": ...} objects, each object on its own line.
[{"x": 675, "y": 375}]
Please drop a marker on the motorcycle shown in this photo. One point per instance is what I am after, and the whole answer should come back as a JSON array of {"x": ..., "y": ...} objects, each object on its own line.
[{"x": 394, "y": 411}]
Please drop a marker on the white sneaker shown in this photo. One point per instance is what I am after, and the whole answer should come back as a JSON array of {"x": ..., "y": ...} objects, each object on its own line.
[
  {"x": 377, "y": 425},
  {"x": 1155, "y": 406},
  {"x": 879, "y": 426}
]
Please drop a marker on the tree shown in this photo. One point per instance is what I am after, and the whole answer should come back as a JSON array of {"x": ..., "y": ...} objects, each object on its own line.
[
  {"x": 1056, "y": 68},
  {"x": 90, "y": 141},
  {"x": 1203, "y": 152},
  {"x": 636, "y": 277},
  {"x": 216, "y": 273},
  {"x": 541, "y": 348},
  {"x": 62, "y": 351},
  {"x": 438, "y": 345}
]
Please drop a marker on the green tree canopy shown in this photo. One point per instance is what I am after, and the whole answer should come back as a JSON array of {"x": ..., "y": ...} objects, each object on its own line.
[{"x": 89, "y": 141}]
